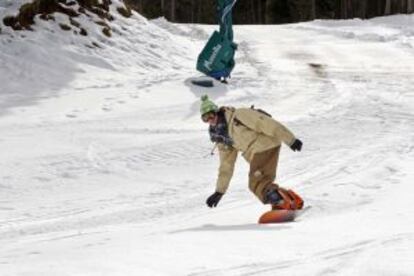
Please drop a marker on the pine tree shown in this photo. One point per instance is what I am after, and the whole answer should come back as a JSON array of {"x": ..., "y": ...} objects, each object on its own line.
[
  {"x": 173, "y": 10},
  {"x": 410, "y": 6},
  {"x": 344, "y": 9},
  {"x": 387, "y": 9}
]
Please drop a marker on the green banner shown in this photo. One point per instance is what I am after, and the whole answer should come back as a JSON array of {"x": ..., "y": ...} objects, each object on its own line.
[{"x": 217, "y": 57}]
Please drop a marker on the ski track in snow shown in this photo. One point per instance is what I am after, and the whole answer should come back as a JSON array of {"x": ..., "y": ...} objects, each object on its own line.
[{"x": 112, "y": 156}]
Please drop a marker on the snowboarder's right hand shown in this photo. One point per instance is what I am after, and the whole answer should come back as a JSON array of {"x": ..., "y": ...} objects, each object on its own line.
[
  {"x": 297, "y": 145},
  {"x": 214, "y": 199}
]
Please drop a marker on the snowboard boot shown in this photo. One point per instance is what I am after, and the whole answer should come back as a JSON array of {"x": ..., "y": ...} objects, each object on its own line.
[{"x": 282, "y": 199}]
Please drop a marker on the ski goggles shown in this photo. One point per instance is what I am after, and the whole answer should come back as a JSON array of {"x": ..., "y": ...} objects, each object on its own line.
[{"x": 208, "y": 116}]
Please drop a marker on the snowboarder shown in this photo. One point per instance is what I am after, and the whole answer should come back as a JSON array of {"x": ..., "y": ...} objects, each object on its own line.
[{"x": 259, "y": 137}]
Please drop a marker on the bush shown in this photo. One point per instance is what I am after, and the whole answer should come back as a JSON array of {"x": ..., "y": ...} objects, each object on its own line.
[{"x": 11, "y": 21}]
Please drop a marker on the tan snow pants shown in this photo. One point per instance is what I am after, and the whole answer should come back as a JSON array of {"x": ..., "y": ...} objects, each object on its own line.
[{"x": 263, "y": 172}]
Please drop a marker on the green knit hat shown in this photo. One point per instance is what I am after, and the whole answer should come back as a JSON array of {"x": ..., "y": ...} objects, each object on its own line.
[{"x": 207, "y": 105}]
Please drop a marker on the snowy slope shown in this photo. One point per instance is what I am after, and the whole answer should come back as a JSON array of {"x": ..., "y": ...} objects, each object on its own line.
[{"x": 106, "y": 167}]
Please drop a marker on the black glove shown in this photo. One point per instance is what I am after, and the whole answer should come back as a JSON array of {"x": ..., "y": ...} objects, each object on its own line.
[
  {"x": 214, "y": 199},
  {"x": 297, "y": 145}
]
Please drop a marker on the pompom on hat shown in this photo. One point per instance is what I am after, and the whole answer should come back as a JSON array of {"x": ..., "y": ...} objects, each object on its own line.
[{"x": 207, "y": 105}]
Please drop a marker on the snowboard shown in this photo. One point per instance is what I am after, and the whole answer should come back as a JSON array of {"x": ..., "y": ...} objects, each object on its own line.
[
  {"x": 203, "y": 82},
  {"x": 207, "y": 82},
  {"x": 281, "y": 216}
]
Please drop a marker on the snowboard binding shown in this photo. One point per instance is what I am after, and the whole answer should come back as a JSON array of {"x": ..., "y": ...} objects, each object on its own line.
[
  {"x": 289, "y": 200},
  {"x": 285, "y": 204}
]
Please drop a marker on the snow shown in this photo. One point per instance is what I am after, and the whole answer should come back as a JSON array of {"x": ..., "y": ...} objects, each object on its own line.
[{"x": 105, "y": 164}]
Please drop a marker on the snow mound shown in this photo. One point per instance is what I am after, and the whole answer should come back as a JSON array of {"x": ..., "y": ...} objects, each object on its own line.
[{"x": 55, "y": 52}]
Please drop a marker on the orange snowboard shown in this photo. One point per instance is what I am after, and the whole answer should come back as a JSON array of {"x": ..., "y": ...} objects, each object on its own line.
[{"x": 277, "y": 216}]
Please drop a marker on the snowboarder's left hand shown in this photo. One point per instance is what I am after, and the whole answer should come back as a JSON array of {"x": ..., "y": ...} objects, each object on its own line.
[
  {"x": 297, "y": 145},
  {"x": 214, "y": 199}
]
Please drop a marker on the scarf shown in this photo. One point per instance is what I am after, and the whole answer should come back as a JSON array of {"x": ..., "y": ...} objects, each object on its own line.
[{"x": 219, "y": 133}]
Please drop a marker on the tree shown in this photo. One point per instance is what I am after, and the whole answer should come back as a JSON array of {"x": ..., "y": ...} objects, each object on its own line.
[
  {"x": 301, "y": 10},
  {"x": 374, "y": 8},
  {"x": 344, "y": 9},
  {"x": 141, "y": 5},
  {"x": 268, "y": 11},
  {"x": 410, "y": 6},
  {"x": 260, "y": 12},
  {"x": 387, "y": 10},
  {"x": 253, "y": 11},
  {"x": 313, "y": 10},
  {"x": 173, "y": 10},
  {"x": 199, "y": 12},
  {"x": 359, "y": 8}
]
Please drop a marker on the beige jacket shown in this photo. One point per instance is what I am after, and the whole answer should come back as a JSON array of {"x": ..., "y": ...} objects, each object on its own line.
[{"x": 252, "y": 132}]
